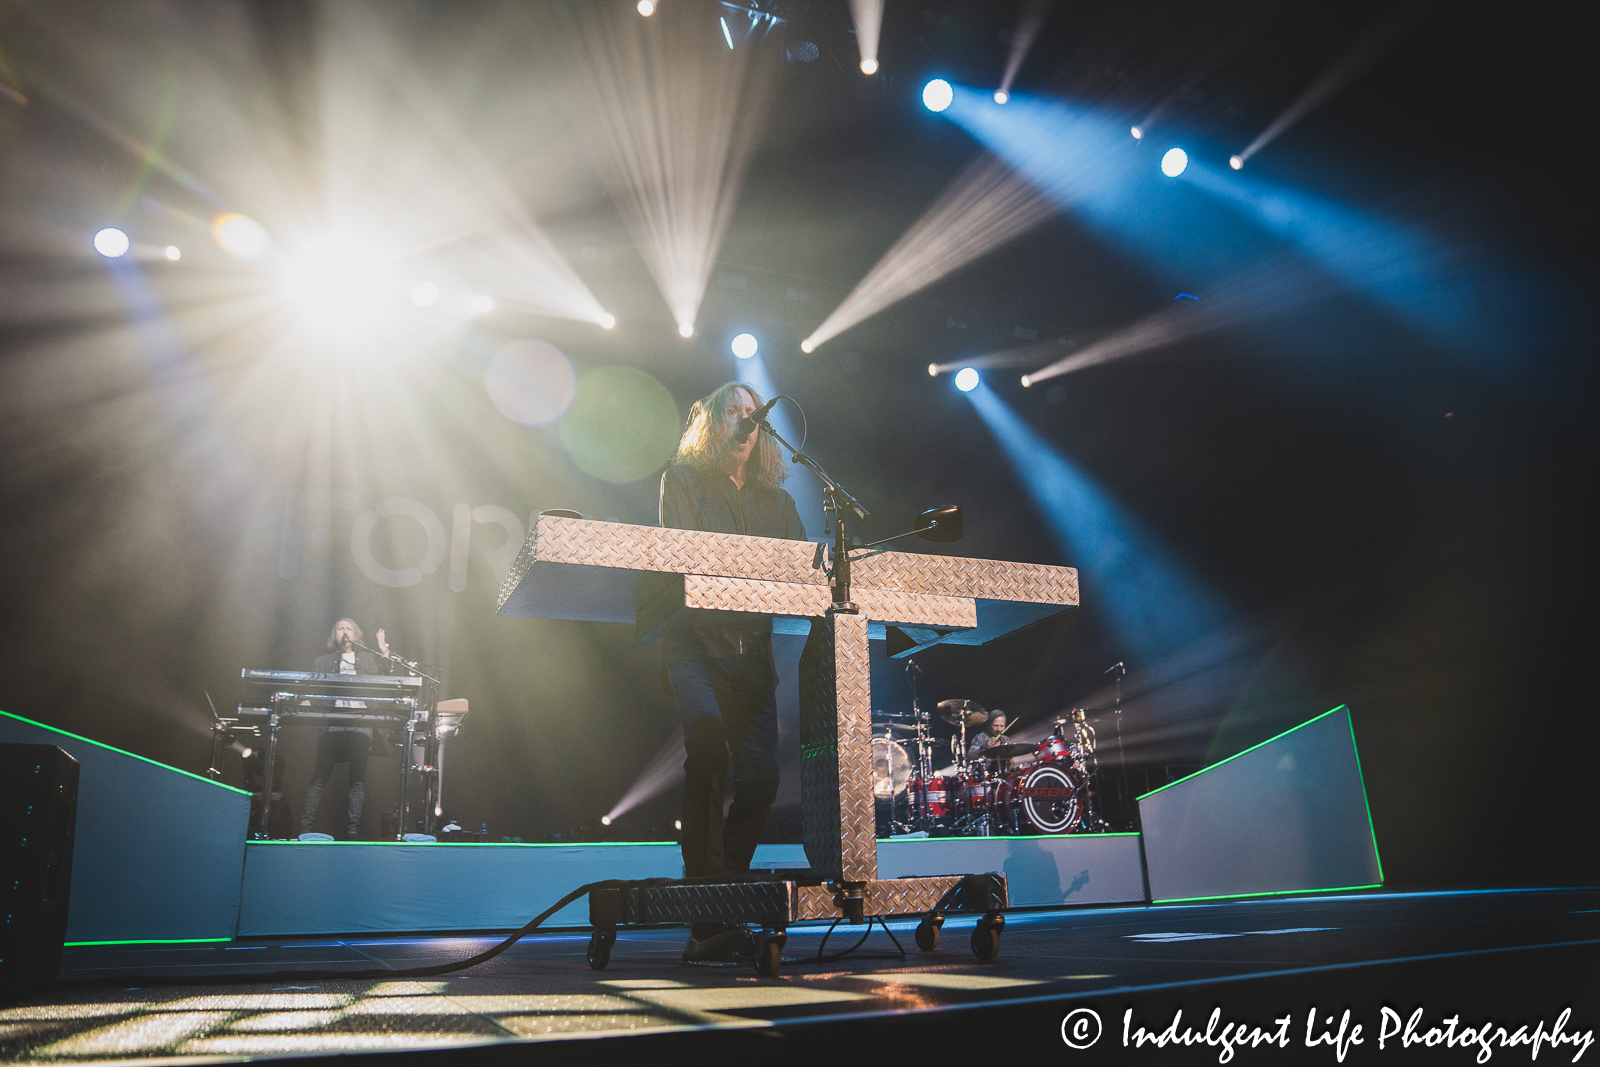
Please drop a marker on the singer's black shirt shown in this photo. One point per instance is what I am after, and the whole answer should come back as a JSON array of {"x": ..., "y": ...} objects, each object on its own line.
[{"x": 693, "y": 499}]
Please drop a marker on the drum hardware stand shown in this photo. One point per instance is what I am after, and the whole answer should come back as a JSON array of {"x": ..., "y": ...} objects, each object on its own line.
[
  {"x": 1122, "y": 764},
  {"x": 420, "y": 720},
  {"x": 838, "y": 829}
]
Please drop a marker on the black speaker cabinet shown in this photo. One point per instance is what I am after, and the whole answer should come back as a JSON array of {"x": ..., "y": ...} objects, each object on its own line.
[{"x": 38, "y": 812}]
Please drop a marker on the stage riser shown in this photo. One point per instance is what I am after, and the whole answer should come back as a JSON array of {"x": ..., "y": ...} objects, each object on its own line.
[
  {"x": 157, "y": 851},
  {"x": 1287, "y": 816},
  {"x": 297, "y": 889}
]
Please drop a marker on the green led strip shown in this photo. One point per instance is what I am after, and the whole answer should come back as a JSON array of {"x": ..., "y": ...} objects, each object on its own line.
[
  {"x": 1274, "y": 893},
  {"x": 151, "y": 941},
  {"x": 1013, "y": 837},
  {"x": 1360, "y": 778},
  {"x": 120, "y": 752},
  {"x": 1252, "y": 748},
  {"x": 473, "y": 844}
]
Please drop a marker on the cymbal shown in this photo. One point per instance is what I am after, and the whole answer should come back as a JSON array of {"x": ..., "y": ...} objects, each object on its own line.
[
  {"x": 956, "y": 712},
  {"x": 1005, "y": 751}
]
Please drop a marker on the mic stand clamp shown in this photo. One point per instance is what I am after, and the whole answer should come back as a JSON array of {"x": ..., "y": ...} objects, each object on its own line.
[{"x": 836, "y": 499}]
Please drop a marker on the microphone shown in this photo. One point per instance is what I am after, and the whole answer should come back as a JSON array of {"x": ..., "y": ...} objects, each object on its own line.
[{"x": 748, "y": 424}]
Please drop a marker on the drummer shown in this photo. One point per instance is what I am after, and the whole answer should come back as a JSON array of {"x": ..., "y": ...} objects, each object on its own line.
[{"x": 994, "y": 733}]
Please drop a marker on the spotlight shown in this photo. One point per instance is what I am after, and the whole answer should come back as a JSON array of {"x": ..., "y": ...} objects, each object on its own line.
[
  {"x": 966, "y": 379},
  {"x": 241, "y": 236},
  {"x": 174, "y": 253},
  {"x": 607, "y": 320},
  {"x": 677, "y": 824},
  {"x": 605, "y": 820},
  {"x": 808, "y": 346},
  {"x": 1174, "y": 162},
  {"x": 1001, "y": 96},
  {"x": 423, "y": 294},
  {"x": 685, "y": 329},
  {"x": 869, "y": 66},
  {"x": 933, "y": 370},
  {"x": 937, "y": 95},
  {"x": 647, "y": 8},
  {"x": 1137, "y": 133},
  {"x": 1026, "y": 381},
  {"x": 1236, "y": 162},
  {"x": 744, "y": 346},
  {"x": 111, "y": 242},
  {"x": 481, "y": 304}
]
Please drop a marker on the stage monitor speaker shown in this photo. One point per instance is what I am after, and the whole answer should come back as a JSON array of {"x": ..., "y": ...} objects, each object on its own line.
[{"x": 38, "y": 814}]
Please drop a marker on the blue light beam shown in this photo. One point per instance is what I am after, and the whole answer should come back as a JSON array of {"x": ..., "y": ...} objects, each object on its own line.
[{"x": 1154, "y": 606}]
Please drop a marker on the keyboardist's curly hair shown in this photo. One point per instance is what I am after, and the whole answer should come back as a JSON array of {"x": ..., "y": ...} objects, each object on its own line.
[
  {"x": 333, "y": 631},
  {"x": 705, "y": 444}
]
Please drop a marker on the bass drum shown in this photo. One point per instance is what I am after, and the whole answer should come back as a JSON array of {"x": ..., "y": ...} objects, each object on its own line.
[{"x": 1043, "y": 799}]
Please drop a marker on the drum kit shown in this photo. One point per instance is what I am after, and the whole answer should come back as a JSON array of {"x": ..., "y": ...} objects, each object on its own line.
[{"x": 1003, "y": 788}]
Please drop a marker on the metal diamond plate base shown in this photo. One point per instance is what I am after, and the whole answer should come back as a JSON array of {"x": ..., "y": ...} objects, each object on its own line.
[
  {"x": 767, "y": 903},
  {"x": 837, "y": 822},
  {"x": 776, "y": 903}
]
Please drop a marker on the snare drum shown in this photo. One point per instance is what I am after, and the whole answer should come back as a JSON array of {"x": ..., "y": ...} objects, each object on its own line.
[{"x": 1046, "y": 798}]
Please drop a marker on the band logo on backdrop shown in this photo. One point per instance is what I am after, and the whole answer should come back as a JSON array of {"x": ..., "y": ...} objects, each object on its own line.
[{"x": 306, "y": 518}]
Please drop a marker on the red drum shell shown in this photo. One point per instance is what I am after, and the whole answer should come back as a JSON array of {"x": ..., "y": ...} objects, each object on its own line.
[
  {"x": 977, "y": 793},
  {"x": 1053, "y": 749},
  {"x": 934, "y": 795}
]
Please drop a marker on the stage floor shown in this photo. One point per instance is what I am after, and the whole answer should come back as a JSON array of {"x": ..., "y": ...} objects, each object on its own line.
[{"x": 1508, "y": 956}]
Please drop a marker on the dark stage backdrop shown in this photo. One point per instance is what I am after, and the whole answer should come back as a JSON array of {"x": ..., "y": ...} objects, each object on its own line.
[{"x": 1356, "y": 507}]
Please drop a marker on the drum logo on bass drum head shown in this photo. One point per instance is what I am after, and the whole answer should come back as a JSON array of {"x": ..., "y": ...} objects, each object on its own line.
[{"x": 1049, "y": 796}]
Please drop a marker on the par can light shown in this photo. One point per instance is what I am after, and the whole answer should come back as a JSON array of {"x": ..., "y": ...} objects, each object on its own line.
[
  {"x": 111, "y": 242},
  {"x": 1175, "y": 162},
  {"x": 966, "y": 379},
  {"x": 745, "y": 345},
  {"x": 937, "y": 95}
]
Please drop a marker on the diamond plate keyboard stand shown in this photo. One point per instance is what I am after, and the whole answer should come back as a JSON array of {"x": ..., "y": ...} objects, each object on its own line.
[{"x": 659, "y": 579}]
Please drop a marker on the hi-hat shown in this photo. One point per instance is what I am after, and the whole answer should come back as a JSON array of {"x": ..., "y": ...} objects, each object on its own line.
[{"x": 956, "y": 712}]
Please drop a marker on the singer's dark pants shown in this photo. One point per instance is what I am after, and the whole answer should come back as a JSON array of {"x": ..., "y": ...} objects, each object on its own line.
[
  {"x": 339, "y": 746},
  {"x": 729, "y": 707}
]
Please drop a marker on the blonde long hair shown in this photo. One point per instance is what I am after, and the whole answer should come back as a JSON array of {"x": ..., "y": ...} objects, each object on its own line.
[{"x": 706, "y": 442}]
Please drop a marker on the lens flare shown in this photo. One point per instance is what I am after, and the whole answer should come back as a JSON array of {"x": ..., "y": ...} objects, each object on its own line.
[
  {"x": 241, "y": 236},
  {"x": 1174, "y": 162},
  {"x": 531, "y": 382},
  {"x": 966, "y": 379},
  {"x": 937, "y": 95},
  {"x": 623, "y": 425}
]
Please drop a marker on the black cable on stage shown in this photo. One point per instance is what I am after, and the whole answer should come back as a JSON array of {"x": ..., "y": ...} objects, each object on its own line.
[
  {"x": 820, "y": 958},
  {"x": 258, "y": 977}
]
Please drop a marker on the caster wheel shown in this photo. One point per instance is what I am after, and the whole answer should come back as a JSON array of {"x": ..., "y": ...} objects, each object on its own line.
[
  {"x": 986, "y": 937},
  {"x": 600, "y": 943},
  {"x": 928, "y": 934},
  {"x": 769, "y": 953}
]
